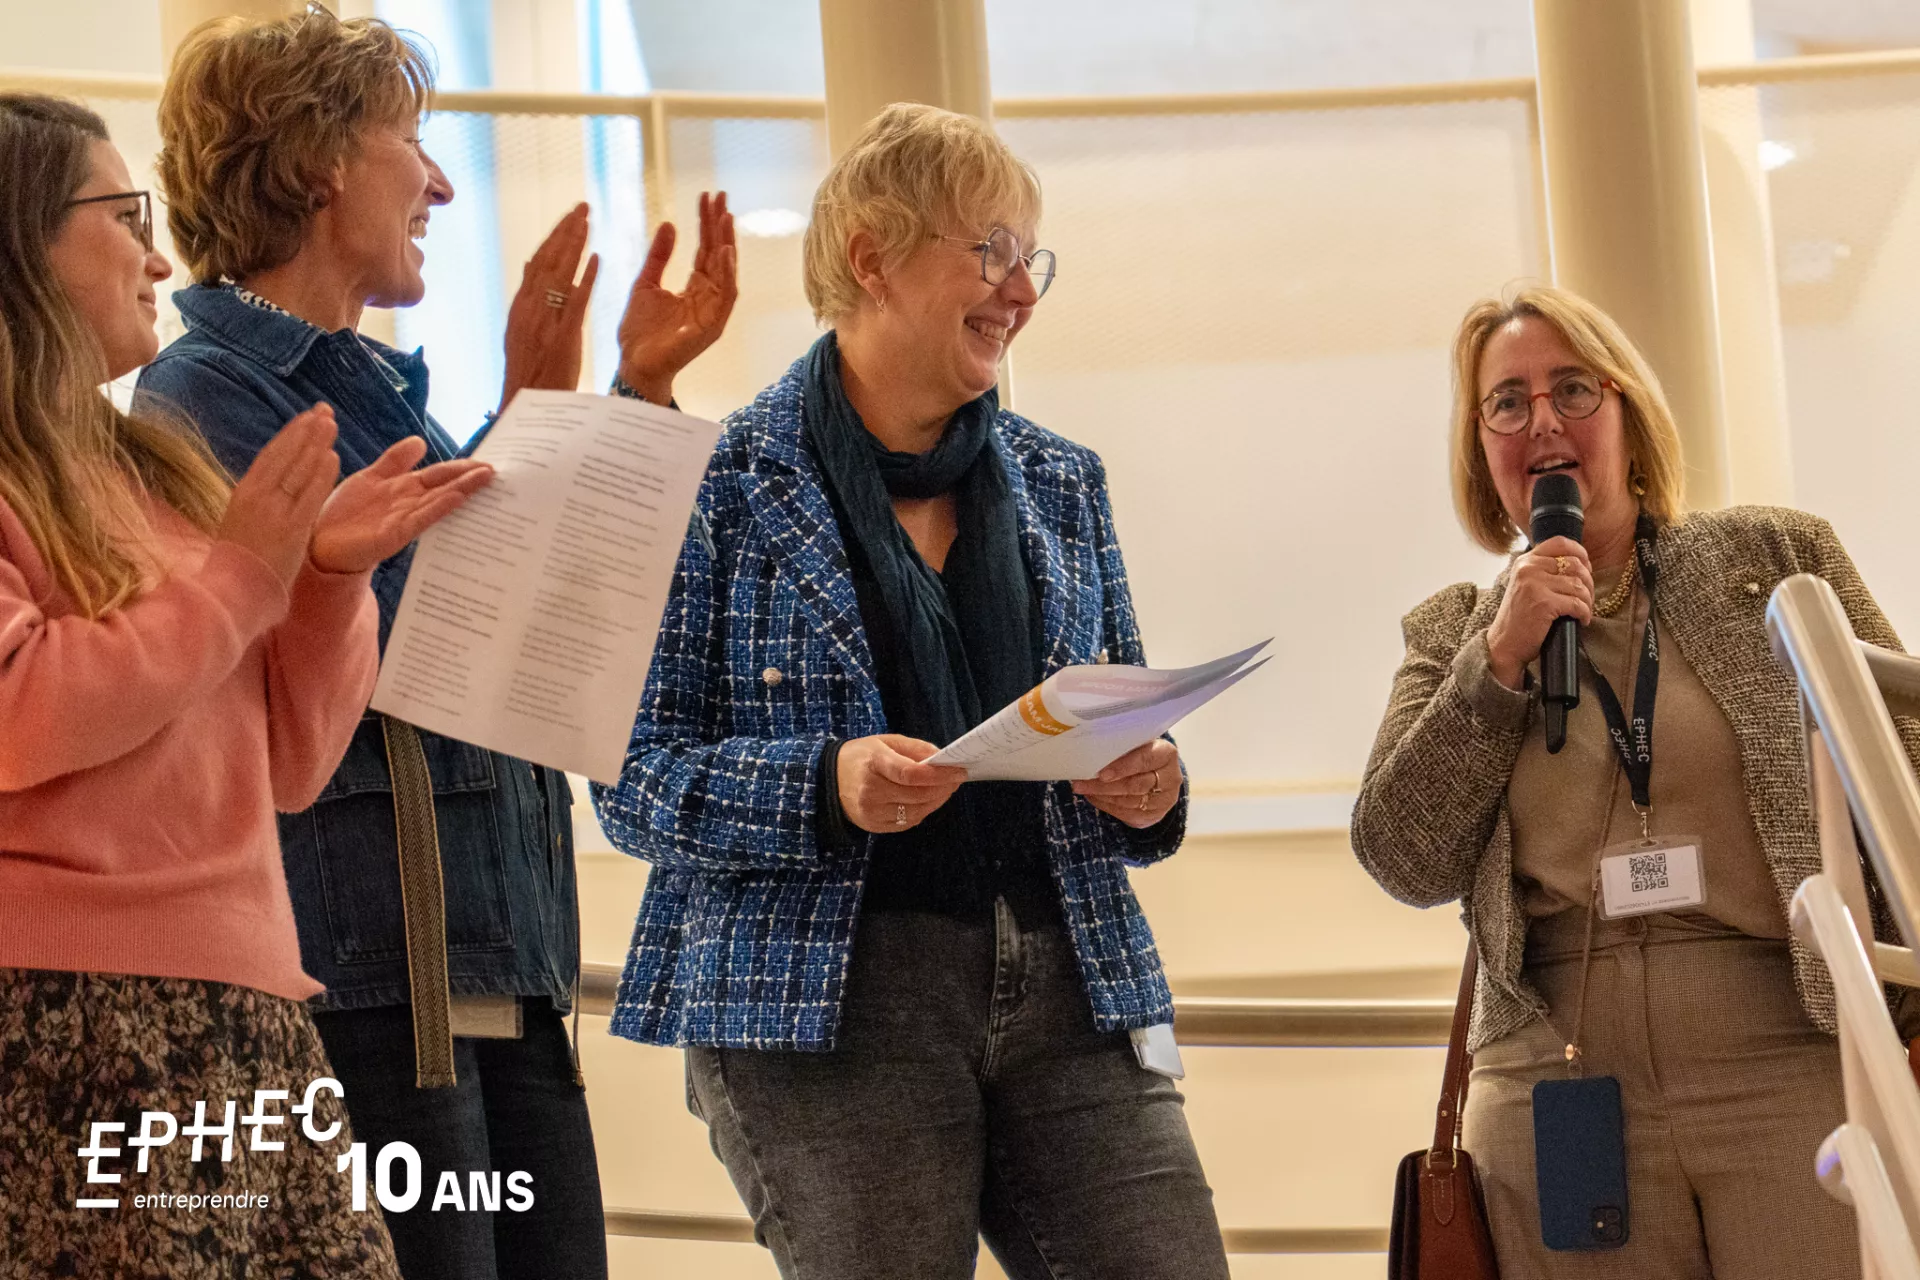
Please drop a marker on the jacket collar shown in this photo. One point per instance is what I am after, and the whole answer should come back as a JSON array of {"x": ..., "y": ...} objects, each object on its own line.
[
  {"x": 776, "y": 438},
  {"x": 784, "y": 490},
  {"x": 276, "y": 340},
  {"x": 282, "y": 342}
]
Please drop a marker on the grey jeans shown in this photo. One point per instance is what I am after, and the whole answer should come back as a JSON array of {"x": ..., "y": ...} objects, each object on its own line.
[{"x": 969, "y": 1095}]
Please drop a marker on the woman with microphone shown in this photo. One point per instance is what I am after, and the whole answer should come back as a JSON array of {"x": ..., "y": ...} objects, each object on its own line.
[{"x": 1717, "y": 1031}]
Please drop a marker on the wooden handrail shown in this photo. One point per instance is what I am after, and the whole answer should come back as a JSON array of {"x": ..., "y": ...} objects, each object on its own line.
[
  {"x": 1813, "y": 66},
  {"x": 675, "y": 102},
  {"x": 733, "y": 1228},
  {"x": 1224, "y": 1021}
]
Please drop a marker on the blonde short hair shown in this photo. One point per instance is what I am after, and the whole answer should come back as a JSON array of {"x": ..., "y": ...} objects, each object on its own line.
[
  {"x": 1653, "y": 441},
  {"x": 915, "y": 172},
  {"x": 256, "y": 117}
]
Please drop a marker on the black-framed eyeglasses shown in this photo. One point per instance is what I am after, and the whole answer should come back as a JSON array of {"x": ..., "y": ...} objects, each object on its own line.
[
  {"x": 139, "y": 220},
  {"x": 1508, "y": 411},
  {"x": 1000, "y": 251}
]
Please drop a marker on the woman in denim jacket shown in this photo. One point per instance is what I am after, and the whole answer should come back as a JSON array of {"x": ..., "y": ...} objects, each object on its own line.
[
  {"x": 298, "y": 190},
  {"x": 907, "y": 1002}
]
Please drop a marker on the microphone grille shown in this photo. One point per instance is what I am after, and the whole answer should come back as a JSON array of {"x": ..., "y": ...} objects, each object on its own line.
[{"x": 1556, "y": 508}]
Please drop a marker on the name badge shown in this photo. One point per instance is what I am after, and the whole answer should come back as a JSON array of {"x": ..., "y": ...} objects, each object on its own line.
[
  {"x": 1158, "y": 1053},
  {"x": 1651, "y": 875}
]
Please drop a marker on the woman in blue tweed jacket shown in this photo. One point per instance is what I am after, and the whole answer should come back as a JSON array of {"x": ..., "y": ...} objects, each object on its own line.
[{"x": 907, "y": 1003}]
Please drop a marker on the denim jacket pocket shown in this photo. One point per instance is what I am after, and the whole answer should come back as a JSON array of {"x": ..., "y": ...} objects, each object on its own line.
[{"x": 357, "y": 852}]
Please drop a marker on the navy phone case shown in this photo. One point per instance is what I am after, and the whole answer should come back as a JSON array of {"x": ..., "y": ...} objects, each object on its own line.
[{"x": 1580, "y": 1163}]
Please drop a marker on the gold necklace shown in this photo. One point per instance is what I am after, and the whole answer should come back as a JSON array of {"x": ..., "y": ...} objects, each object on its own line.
[{"x": 1611, "y": 605}]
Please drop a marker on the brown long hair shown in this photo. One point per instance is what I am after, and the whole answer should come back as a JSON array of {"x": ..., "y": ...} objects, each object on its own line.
[{"x": 69, "y": 459}]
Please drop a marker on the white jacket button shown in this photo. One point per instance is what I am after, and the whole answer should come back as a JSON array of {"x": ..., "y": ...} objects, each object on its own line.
[{"x": 772, "y": 676}]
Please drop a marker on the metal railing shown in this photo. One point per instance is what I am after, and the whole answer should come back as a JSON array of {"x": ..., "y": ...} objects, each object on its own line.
[
  {"x": 690, "y": 103},
  {"x": 1858, "y": 770},
  {"x": 1225, "y": 1022},
  {"x": 1237, "y": 1022},
  {"x": 1861, "y": 779}
]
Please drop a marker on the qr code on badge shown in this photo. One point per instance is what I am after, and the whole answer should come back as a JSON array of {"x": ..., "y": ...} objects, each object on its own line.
[{"x": 1648, "y": 871}]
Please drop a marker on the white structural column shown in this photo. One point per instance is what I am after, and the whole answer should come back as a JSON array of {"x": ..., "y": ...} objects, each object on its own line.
[
  {"x": 1759, "y": 444},
  {"x": 1627, "y": 202},
  {"x": 883, "y": 51},
  {"x": 879, "y": 52}
]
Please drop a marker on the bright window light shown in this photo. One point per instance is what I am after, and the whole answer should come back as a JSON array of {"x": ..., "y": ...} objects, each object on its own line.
[{"x": 771, "y": 224}]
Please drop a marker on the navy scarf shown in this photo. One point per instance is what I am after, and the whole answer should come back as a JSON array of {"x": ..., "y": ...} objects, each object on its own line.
[{"x": 971, "y": 633}]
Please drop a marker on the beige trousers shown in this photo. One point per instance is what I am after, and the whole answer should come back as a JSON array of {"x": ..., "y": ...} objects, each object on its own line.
[{"x": 1728, "y": 1091}]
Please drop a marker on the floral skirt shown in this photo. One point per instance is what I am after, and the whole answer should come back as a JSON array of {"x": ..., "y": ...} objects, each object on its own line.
[{"x": 81, "y": 1053}]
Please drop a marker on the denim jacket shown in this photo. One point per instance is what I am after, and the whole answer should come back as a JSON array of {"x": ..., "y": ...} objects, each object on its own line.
[{"x": 240, "y": 373}]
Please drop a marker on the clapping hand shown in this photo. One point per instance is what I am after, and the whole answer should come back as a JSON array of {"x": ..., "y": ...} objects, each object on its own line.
[
  {"x": 662, "y": 331},
  {"x": 273, "y": 507},
  {"x": 378, "y": 510},
  {"x": 546, "y": 323}
]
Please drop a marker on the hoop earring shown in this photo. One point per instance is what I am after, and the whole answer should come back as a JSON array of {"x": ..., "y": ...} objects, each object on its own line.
[
  {"x": 880, "y": 300},
  {"x": 1637, "y": 483}
]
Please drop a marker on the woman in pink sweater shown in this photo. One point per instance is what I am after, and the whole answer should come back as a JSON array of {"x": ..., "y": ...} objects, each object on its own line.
[{"x": 180, "y": 656}]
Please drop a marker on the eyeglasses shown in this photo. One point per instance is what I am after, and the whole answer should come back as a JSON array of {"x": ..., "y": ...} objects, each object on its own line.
[
  {"x": 1578, "y": 395},
  {"x": 139, "y": 220},
  {"x": 998, "y": 254}
]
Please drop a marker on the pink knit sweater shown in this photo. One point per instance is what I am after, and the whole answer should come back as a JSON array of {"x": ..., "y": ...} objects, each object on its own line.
[{"x": 142, "y": 757}]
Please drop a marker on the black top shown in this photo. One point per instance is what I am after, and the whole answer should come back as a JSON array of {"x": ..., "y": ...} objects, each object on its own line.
[{"x": 988, "y": 841}]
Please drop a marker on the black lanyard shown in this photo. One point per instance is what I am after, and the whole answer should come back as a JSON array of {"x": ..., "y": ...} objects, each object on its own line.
[{"x": 1634, "y": 743}]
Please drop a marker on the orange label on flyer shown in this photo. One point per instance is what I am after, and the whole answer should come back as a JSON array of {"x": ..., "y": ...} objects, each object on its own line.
[{"x": 1036, "y": 715}]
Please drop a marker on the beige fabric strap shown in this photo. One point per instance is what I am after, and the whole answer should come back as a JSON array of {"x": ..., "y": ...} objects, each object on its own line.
[{"x": 423, "y": 902}]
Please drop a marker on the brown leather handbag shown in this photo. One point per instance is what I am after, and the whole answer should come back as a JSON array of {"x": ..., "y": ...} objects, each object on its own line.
[{"x": 1439, "y": 1216}]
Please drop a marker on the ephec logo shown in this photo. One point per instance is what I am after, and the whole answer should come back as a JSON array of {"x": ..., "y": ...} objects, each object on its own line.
[{"x": 396, "y": 1175}]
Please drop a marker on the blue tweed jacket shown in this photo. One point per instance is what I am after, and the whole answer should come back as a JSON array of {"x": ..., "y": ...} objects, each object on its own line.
[{"x": 747, "y": 923}]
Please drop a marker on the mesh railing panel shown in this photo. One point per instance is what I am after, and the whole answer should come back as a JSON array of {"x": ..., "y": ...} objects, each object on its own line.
[
  {"x": 769, "y": 169},
  {"x": 1251, "y": 325},
  {"x": 1844, "y": 200}
]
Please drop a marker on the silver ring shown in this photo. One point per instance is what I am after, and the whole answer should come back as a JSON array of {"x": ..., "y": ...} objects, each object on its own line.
[
  {"x": 556, "y": 297},
  {"x": 899, "y": 815}
]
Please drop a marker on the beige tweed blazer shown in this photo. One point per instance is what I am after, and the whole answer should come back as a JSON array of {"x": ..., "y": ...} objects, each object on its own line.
[{"x": 1431, "y": 822}]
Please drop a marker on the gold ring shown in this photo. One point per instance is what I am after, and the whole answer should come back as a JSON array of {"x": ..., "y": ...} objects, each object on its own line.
[
  {"x": 1156, "y": 783},
  {"x": 1143, "y": 800},
  {"x": 899, "y": 815},
  {"x": 556, "y": 297},
  {"x": 1559, "y": 564}
]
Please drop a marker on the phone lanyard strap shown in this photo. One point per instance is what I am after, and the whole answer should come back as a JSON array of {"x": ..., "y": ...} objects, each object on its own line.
[
  {"x": 1634, "y": 745},
  {"x": 1633, "y": 742},
  {"x": 1575, "y": 1065}
]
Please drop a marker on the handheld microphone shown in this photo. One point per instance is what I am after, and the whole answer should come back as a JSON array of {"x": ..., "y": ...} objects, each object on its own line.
[{"x": 1557, "y": 514}]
